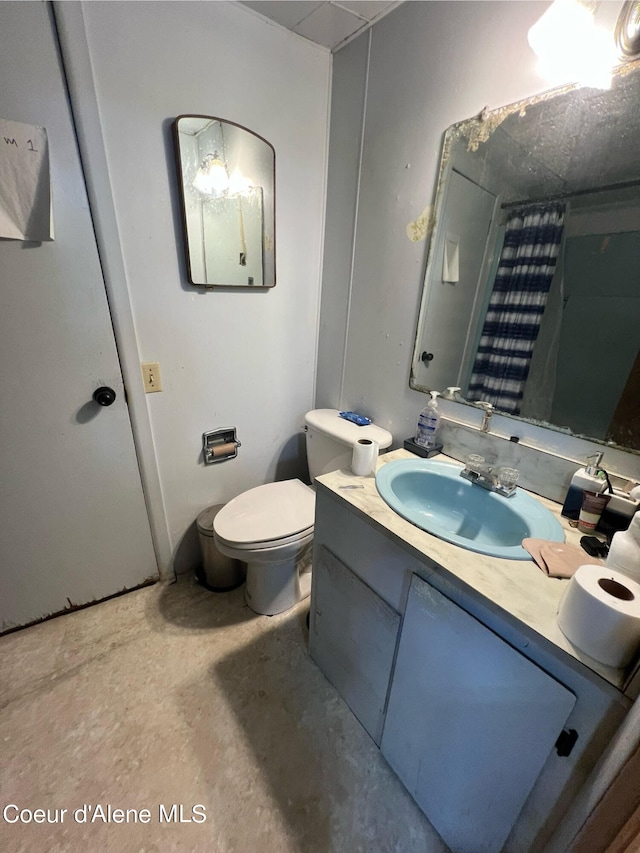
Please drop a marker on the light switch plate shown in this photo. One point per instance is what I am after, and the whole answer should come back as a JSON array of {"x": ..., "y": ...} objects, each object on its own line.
[{"x": 151, "y": 376}]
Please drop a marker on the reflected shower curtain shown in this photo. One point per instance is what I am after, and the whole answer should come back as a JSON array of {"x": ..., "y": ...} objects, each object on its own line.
[{"x": 526, "y": 268}]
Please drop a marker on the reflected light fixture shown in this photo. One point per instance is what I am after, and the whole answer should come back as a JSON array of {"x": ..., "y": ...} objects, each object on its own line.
[
  {"x": 239, "y": 185},
  {"x": 211, "y": 177},
  {"x": 627, "y": 34},
  {"x": 571, "y": 48}
]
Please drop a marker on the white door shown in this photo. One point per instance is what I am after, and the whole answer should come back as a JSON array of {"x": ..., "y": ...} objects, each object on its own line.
[
  {"x": 73, "y": 523},
  {"x": 453, "y": 304}
]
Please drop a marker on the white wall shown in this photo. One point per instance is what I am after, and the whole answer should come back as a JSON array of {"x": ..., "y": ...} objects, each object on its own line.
[
  {"x": 428, "y": 65},
  {"x": 228, "y": 357}
]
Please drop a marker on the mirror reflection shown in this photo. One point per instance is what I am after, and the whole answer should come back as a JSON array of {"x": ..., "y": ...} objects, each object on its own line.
[
  {"x": 531, "y": 299},
  {"x": 227, "y": 182}
]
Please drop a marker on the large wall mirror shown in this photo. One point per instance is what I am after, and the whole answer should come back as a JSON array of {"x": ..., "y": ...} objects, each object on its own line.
[
  {"x": 531, "y": 298},
  {"x": 227, "y": 183}
]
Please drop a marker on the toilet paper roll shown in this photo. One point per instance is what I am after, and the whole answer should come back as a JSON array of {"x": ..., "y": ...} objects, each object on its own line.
[
  {"x": 363, "y": 459},
  {"x": 600, "y": 614},
  {"x": 227, "y": 449}
]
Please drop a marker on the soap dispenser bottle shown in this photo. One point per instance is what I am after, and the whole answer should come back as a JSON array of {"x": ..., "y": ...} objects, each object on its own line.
[
  {"x": 589, "y": 478},
  {"x": 428, "y": 423}
]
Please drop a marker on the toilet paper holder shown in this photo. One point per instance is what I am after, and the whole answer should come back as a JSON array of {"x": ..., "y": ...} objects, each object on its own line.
[{"x": 219, "y": 445}]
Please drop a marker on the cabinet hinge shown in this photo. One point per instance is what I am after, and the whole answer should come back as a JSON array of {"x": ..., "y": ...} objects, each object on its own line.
[{"x": 566, "y": 741}]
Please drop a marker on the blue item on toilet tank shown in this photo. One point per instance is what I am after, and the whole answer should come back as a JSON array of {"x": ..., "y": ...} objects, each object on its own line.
[{"x": 360, "y": 420}]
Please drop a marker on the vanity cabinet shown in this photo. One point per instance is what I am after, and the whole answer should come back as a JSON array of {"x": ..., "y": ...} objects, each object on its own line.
[
  {"x": 470, "y": 722},
  {"x": 465, "y": 701}
]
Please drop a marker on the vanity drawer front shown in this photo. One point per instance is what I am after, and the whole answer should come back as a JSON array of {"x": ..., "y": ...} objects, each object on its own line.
[{"x": 470, "y": 722}]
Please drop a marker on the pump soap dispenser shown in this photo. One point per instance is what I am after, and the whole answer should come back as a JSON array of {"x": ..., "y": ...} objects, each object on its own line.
[
  {"x": 428, "y": 423},
  {"x": 590, "y": 478}
]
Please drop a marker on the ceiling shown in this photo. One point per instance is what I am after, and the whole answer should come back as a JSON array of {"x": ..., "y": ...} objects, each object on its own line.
[
  {"x": 331, "y": 24},
  {"x": 532, "y": 150}
]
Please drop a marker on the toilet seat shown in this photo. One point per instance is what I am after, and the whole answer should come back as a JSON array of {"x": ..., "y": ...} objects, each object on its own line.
[
  {"x": 268, "y": 544},
  {"x": 267, "y": 516}
]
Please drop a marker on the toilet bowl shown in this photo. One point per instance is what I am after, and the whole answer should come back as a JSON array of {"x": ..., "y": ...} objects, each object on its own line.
[{"x": 270, "y": 528}]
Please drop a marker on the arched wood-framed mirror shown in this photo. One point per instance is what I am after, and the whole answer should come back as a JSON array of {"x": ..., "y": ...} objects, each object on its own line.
[{"x": 227, "y": 188}]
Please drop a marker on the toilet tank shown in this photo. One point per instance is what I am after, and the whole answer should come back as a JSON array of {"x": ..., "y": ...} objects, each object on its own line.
[{"x": 330, "y": 440}]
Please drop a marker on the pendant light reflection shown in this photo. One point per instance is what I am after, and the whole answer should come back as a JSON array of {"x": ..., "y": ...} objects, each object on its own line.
[
  {"x": 571, "y": 48},
  {"x": 211, "y": 177}
]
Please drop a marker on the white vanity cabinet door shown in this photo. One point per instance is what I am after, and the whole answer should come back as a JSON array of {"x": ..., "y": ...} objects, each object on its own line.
[
  {"x": 353, "y": 635},
  {"x": 470, "y": 722}
]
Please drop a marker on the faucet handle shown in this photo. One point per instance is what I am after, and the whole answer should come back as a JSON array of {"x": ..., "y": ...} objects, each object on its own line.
[
  {"x": 488, "y": 407},
  {"x": 475, "y": 464},
  {"x": 506, "y": 478}
]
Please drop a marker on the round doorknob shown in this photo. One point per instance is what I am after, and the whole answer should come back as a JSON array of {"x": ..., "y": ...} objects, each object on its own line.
[{"x": 104, "y": 396}]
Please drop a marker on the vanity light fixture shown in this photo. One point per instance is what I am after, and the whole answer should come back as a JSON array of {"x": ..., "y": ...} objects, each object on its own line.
[
  {"x": 212, "y": 178},
  {"x": 571, "y": 48}
]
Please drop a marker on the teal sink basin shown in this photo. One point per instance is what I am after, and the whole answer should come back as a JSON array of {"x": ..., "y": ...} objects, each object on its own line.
[{"x": 433, "y": 496}]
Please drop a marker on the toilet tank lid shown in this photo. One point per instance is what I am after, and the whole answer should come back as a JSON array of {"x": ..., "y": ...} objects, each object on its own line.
[{"x": 329, "y": 422}]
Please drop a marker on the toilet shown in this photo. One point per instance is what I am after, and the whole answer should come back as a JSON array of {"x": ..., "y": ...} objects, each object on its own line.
[{"x": 270, "y": 527}]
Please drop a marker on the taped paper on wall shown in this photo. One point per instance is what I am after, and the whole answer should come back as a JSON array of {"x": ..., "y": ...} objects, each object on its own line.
[{"x": 25, "y": 185}]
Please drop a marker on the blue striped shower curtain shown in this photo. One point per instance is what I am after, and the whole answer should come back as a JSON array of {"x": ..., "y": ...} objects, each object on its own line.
[{"x": 526, "y": 268}]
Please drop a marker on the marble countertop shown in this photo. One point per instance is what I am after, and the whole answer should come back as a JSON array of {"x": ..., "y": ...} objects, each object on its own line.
[{"x": 517, "y": 587}]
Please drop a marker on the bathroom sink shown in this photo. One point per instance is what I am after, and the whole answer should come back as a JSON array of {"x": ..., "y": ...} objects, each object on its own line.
[{"x": 433, "y": 496}]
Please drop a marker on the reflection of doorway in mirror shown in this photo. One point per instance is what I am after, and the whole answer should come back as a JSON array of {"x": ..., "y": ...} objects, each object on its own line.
[
  {"x": 452, "y": 311},
  {"x": 233, "y": 226},
  {"x": 599, "y": 340}
]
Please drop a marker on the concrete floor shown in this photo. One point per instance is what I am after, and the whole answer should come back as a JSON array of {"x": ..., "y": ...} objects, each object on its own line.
[{"x": 175, "y": 695}]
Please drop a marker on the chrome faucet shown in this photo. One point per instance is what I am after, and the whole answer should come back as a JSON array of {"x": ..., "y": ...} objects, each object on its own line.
[
  {"x": 486, "y": 417},
  {"x": 499, "y": 479}
]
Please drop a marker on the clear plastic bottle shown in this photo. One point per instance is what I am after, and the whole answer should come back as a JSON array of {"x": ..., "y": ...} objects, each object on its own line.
[
  {"x": 428, "y": 422},
  {"x": 624, "y": 552}
]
